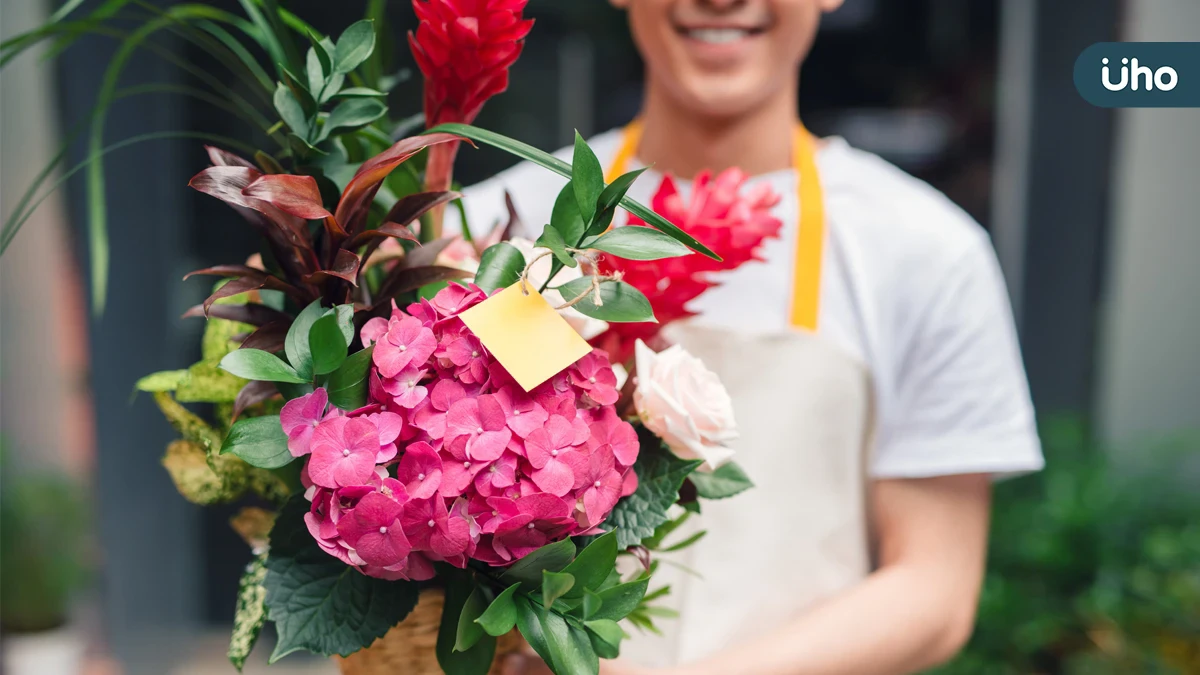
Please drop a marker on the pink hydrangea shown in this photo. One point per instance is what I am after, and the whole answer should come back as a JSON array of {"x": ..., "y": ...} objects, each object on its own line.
[
  {"x": 300, "y": 417},
  {"x": 451, "y": 460}
]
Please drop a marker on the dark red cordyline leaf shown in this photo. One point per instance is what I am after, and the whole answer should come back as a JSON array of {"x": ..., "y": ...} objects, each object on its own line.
[
  {"x": 234, "y": 287},
  {"x": 251, "y": 313},
  {"x": 404, "y": 279},
  {"x": 360, "y": 192},
  {"x": 287, "y": 234},
  {"x": 226, "y": 271},
  {"x": 345, "y": 267},
  {"x": 269, "y": 337},
  {"x": 297, "y": 195},
  {"x": 426, "y": 255},
  {"x": 373, "y": 238},
  {"x": 253, "y": 393},
  {"x": 220, "y": 157},
  {"x": 248, "y": 279},
  {"x": 500, "y": 232},
  {"x": 408, "y": 209},
  {"x": 226, "y": 183}
]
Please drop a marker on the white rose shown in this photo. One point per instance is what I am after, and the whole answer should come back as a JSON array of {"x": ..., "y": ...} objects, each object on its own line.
[
  {"x": 684, "y": 403},
  {"x": 586, "y": 326}
]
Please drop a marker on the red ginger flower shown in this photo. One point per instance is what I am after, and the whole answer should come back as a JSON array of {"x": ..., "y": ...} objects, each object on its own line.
[
  {"x": 464, "y": 49},
  {"x": 728, "y": 217}
]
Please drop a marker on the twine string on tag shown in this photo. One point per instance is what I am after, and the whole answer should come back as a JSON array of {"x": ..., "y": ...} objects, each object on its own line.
[{"x": 593, "y": 288}]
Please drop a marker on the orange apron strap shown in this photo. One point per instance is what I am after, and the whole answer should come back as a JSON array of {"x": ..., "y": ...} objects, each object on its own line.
[
  {"x": 810, "y": 234},
  {"x": 631, "y": 138},
  {"x": 810, "y": 226}
]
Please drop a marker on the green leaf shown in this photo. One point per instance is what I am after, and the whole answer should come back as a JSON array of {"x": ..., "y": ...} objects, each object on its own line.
[
  {"x": 469, "y": 631},
  {"x": 587, "y": 178},
  {"x": 315, "y": 71},
  {"x": 617, "y": 602},
  {"x": 657, "y": 593},
  {"x": 548, "y": 161},
  {"x": 478, "y": 658},
  {"x": 591, "y": 604},
  {"x": 528, "y": 570},
  {"x": 300, "y": 147},
  {"x": 327, "y": 344},
  {"x": 639, "y": 243},
  {"x": 251, "y": 612},
  {"x": 500, "y": 266},
  {"x": 294, "y": 391},
  {"x": 566, "y": 217},
  {"x": 332, "y": 87},
  {"x": 299, "y": 89},
  {"x": 570, "y": 648},
  {"x": 356, "y": 92},
  {"x": 606, "y": 637},
  {"x": 500, "y": 616},
  {"x": 290, "y": 111},
  {"x": 593, "y": 564},
  {"x": 347, "y": 386},
  {"x": 552, "y": 240},
  {"x": 621, "y": 302},
  {"x": 663, "y": 531},
  {"x": 660, "y": 475},
  {"x": 352, "y": 113},
  {"x": 686, "y": 542},
  {"x": 608, "y": 201},
  {"x": 554, "y": 586},
  {"x": 723, "y": 483},
  {"x": 320, "y": 604},
  {"x": 259, "y": 441},
  {"x": 529, "y": 622},
  {"x": 296, "y": 343},
  {"x": 166, "y": 380},
  {"x": 345, "y": 321},
  {"x": 255, "y": 364},
  {"x": 354, "y": 46}
]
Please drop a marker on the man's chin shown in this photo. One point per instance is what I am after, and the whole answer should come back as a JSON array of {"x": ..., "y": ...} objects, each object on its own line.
[{"x": 721, "y": 97}]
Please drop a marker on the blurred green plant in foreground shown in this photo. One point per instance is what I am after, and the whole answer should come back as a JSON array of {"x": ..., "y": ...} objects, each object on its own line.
[
  {"x": 1094, "y": 566},
  {"x": 43, "y": 525}
]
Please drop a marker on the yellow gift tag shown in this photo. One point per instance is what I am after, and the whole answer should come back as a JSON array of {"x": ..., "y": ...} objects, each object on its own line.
[{"x": 525, "y": 335}]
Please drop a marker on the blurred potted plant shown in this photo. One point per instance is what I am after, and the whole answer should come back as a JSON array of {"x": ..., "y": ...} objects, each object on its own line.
[
  {"x": 1094, "y": 567},
  {"x": 42, "y": 565}
]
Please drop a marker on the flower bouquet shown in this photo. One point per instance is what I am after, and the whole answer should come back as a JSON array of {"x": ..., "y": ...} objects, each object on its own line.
[{"x": 441, "y": 468}]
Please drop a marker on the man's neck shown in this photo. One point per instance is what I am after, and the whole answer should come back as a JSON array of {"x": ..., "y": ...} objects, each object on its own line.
[{"x": 679, "y": 141}]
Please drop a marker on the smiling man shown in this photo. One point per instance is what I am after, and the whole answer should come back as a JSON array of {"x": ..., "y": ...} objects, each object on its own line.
[{"x": 870, "y": 354}]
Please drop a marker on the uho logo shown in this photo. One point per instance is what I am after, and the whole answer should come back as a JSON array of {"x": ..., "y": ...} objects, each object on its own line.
[
  {"x": 1164, "y": 78},
  {"x": 1139, "y": 74}
]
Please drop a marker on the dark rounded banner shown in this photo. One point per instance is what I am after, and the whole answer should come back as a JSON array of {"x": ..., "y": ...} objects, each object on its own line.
[{"x": 1140, "y": 74}]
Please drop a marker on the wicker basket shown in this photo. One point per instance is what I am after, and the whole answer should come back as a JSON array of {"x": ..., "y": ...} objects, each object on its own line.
[{"x": 409, "y": 648}]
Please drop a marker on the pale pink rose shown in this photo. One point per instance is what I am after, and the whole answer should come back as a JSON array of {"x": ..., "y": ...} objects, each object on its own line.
[{"x": 685, "y": 404}]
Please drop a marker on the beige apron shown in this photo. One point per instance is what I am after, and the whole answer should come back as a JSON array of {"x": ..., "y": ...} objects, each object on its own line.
[
  {"x": 804, "y": 412},
  {"x": 803, "y": 409}
]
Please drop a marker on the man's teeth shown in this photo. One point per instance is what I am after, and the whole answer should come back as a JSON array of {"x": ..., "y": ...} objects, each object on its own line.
[{"x": 718, "y": 36}]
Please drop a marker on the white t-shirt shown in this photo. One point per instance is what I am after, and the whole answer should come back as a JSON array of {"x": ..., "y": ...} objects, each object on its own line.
[{"x": 910, "y": 286}]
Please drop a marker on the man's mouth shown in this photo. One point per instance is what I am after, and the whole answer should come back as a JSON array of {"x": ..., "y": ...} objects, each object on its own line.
[{"x": 719, "y": 35}]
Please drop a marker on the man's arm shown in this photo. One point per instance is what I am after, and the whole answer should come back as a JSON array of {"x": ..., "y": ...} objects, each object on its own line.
[{"x": 916, "y": 611}]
